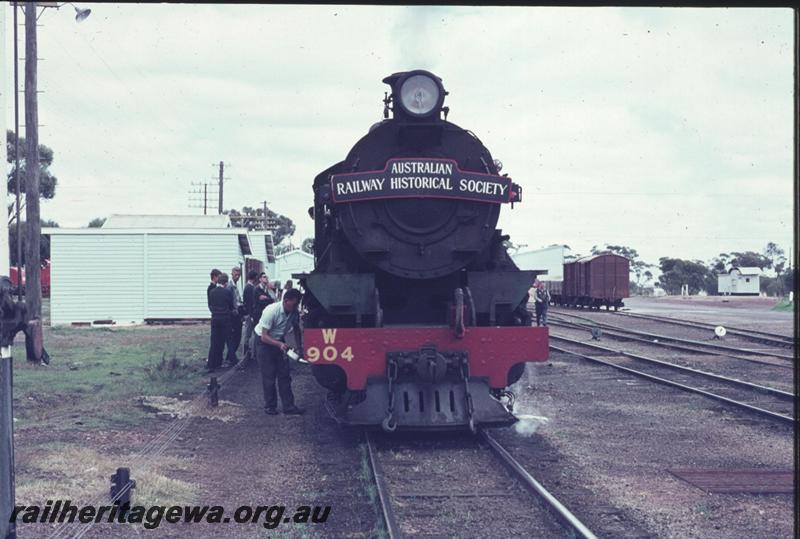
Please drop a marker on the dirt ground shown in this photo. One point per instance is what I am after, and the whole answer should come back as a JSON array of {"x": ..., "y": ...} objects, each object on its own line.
[
  {"x": 612, "y": 437},
  {"x": 737, "y": 311},
  {"x": 601, "y": 441},
  {"x": 240, "y": 456}
]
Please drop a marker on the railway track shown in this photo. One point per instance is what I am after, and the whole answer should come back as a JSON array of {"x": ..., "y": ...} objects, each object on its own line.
[
  {"x": 425, "y": 491},
  {"x": 757, "y": 399},
  {"x": 749, "y": 334},
  {"x": 624, "y": 335},
  {"x": 730, "y": 350}
]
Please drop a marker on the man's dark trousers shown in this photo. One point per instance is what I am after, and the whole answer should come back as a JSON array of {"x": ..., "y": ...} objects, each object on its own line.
[
  {"x": 274, "y": 367},
  {"x": 220, "y": 331},
  {"x": 234, "y": 338}
]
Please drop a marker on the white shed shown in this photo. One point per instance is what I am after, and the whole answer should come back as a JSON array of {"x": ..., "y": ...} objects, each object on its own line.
[
  {"x": 739, "y": 282},
  {"x": 131, "y": 275},
  {"x": 549, "y": 258},
  {"x": 297, "y": 261},
  {"x": 264, "y": 250}
]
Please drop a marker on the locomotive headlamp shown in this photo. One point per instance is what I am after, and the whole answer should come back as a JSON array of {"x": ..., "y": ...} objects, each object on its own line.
[
  {"x": 416, "y": 95},
  {"x": 420, "y": 95}
]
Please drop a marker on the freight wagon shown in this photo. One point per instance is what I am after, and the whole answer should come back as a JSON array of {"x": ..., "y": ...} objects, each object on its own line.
[
  {"x": 593, "y": 282},
  {"x": 44, "y": 278}
]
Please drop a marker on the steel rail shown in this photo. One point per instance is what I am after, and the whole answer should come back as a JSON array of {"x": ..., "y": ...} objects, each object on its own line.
[
  {"x": 521, "y": 474},
  {"x": 733, "y": 381},
  {"x": 658, "y": 379},
  {"x": 621, "y": 334},
  {"x": 680, "y": 340},
  {"x": 387, "y": 513},
  {"x": 755, "y": 334}
]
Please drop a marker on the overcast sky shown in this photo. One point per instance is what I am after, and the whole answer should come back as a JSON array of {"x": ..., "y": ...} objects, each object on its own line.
[{"x": 668, "y": 130}]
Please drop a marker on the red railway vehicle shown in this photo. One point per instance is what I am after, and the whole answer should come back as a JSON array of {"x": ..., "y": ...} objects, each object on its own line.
[
  {"x": 44, "y": 278},
  {"x": 594, "y": 282}
]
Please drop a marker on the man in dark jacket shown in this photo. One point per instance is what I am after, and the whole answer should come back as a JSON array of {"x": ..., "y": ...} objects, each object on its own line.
[
  {"x": 215, "y": 273},
  {"x": 220, "y": 301},
  {"x": 262, "y": 296}
]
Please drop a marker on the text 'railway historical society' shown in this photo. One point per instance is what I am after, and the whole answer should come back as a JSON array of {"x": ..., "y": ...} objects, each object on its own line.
[{"x": 422, "y": 178}]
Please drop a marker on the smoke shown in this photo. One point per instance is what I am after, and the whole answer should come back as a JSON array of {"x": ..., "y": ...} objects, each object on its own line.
[
  {"x": 417, "y": 28},
  {"x": 526, "y": 409},
  {"x": 528, "y": 424}
]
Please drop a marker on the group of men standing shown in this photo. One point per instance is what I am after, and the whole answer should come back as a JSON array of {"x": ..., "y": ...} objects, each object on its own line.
[{"x": 266, "y": 319}]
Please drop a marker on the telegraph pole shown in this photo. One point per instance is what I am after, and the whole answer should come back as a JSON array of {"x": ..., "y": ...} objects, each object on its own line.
[
  {"x": 4, "y": 251},
  {"x": 221, "y": 182},
  {"x": 7, "y": 490},
  {"x": 195, "y": 202},
  {"x": 221, "y": 179},
  {"x": 16, "y": 155},
  {"x": 33, "y": 285}
]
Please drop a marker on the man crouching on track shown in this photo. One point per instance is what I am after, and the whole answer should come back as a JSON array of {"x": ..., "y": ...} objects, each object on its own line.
[{"x": 275, "y": 321}]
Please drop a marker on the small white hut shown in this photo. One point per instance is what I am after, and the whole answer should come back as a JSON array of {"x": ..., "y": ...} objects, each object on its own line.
[{"x": 739, "y": 282}]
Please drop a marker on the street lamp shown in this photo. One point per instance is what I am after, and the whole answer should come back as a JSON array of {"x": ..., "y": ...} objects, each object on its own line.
[{"x": 81, "y": 13}]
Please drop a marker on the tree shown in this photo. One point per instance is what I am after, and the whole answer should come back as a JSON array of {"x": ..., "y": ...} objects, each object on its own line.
[
  {"x": 789, "y": 279},
  {"x": 253, "y": 219},
  {"x": 44, "y": 245},
  {"x": 769, "y": 285},
  {"x": 775, "y": 255},
  {"x": 47, "y": 181},
  {"x": 283, "y": 249},
  {"x": 308, "y": 245},
  {"x": 749, "y": 259},
  {"x": 721, "y": 263},
  {"x": 676, "y": 272},
  {"x": 638, "y": 266},
  {"x": 97, "y": 222}
]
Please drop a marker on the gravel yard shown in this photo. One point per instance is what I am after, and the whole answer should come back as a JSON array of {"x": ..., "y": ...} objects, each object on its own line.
[
  {"x": 611, "y": 439},
  {"x": 602, "y": 441}
]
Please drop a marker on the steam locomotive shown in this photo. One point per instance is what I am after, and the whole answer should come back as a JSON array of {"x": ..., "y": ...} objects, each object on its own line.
[{"x": 414, "y": 315}]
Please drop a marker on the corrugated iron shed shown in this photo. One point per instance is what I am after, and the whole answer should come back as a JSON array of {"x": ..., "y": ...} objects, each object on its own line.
[{"x": 130, "y": 275}]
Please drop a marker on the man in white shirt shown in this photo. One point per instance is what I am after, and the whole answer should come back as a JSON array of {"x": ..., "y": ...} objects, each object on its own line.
[
  {"x": 235, "y": 338},
  {"x": 276, "y": 320}
]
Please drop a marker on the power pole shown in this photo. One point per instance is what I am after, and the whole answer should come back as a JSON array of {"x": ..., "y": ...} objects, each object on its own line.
[
  {"x": 33, "y": 285},
  {"x": 4, "y": 250},
  {"x": 201, "y": 190},
  {"x": 221, "y": 179},
  {"x": 8, "y": 530},
  {"x": 16, "y": 155},
  {"x": 266, "y": 220},
  {"x": 221, "y": 183}
]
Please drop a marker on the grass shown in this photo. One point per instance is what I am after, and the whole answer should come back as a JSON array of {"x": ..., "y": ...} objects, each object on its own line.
[
  {"x": 79, "y": 418},
  {"x": 784, "y": 305},
  {"x": 96, "y": 375},
  {"x": 70, "y": 472}
]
